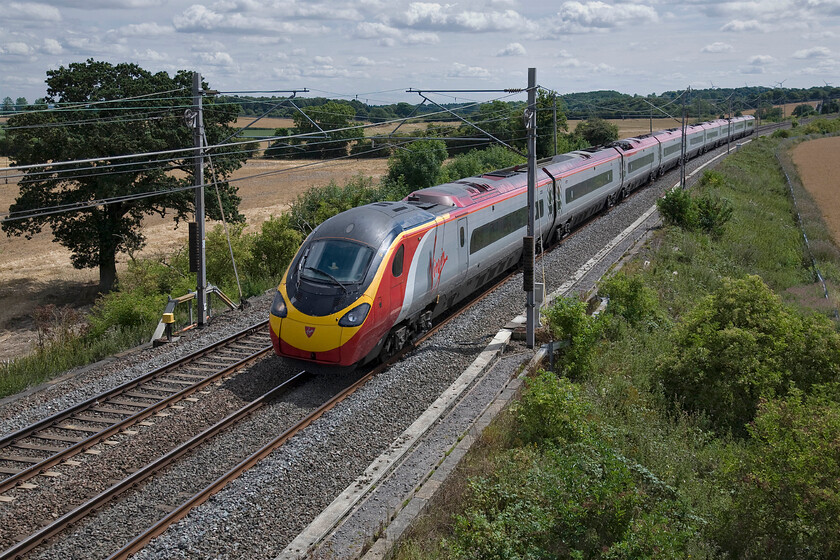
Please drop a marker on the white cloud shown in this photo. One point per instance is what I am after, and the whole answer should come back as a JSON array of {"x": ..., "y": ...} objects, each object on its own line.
[
  {"x": 323, "y": 60},
  {"x": 761, "y": 60},
  {"x": 569, "y": 63},
  {"x": 150, "y": 29},
  {"x": 814, "y": 52},
  {"x": 290, "y": 9},
  {"x": 109, "y": 4},
  {"x": 151, "y": 55},
  {"x": 422, "y": 14},
  {"x": 18, "y": 49},
  {"x": 738, "y": 26},
  {"x": 439, "y": 17},
  {"x": 508, "y": 20},
  {"x": 198, "y": 18},
  {"x": 362, "y": 61},
  {"x": 369, "y": 30},
  {"x": 421, "y": 39},
  {"x": 31, "y": 11},
  {"x": 512, "y": 49},
  {"x": 583, "y": 17},
  {"x": 391, "y": 36},
  {"x": 216, "y": 59},
  {"x": 819, "y": 36},
  {"x": 51, "y": 46},
  {"x": 717, "y": 47},
  {"x": 464, "y": 71}
]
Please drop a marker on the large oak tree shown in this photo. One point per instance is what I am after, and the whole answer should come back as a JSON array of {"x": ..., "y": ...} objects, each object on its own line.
[{"x": 144, "y": 113}]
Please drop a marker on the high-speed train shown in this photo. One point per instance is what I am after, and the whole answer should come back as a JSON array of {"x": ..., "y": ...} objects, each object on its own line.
[{"x": 368, "y": 280}]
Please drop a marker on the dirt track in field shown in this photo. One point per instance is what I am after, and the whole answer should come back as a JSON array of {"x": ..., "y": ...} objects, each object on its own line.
[{"x": 819, "y": 169}]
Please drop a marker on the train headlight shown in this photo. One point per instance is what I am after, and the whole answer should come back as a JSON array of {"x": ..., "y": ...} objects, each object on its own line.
[
  {"x": 278, "y": 306},
  {"x": 355, "y": 316}
]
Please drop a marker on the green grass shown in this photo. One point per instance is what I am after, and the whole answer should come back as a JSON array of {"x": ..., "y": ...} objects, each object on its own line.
[{"x": 55, "y": 357}]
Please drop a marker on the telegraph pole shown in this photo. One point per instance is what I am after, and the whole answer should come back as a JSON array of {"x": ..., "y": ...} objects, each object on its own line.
[
  {"x": 198, "y": 135},
  {"x": 554, "y": 113},
  {"x": 528, "y": 274},
  {"x": 729, "y": 131},
  {"x": 684, "y": 146}
]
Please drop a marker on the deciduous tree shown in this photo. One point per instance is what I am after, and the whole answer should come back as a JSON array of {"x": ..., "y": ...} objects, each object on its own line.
[
  {"x": 596, "y": 131},
  {"x": 96, "y": 209}
]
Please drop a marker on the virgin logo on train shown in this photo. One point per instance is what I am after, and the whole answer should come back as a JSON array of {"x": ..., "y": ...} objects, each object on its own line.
[
  {"x": 436, "y": 268},
  {"x": 309, "y": 331}
]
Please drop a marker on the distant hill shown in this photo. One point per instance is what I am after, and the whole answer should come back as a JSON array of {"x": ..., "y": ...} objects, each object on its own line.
[{"x": 606, "y": 104}]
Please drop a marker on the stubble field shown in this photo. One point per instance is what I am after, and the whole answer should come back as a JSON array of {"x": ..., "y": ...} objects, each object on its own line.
[{"x": 819, "y": 169}]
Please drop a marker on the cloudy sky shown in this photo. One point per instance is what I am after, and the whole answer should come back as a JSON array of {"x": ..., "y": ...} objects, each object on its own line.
[{"x": 377, "y": 49}]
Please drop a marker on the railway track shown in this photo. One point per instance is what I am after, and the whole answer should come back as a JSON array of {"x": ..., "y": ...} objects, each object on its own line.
[{"x": 40, "y": 446}]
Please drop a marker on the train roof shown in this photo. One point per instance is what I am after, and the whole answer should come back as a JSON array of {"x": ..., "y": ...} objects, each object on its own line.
[
  {"x": 472, "y": 190},
  {"x": 372, "y": 223}
]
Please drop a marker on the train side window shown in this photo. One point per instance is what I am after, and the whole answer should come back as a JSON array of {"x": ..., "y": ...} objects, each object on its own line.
[
  {"x": 397, "y": 266},
  {"x": 462, "y": 236}
]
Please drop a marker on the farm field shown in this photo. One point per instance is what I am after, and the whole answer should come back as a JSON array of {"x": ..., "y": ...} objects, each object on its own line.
[{"x": 819, "y": 170}]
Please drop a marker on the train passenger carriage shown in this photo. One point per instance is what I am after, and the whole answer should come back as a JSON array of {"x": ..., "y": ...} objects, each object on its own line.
[
  {"x": 640, "y": 157},
  {"x": 670, "y": 144},
  {"x": 695, "y": 140},
  {"x": 587, "y": 181},
  {"x": 712, "y": 135}
]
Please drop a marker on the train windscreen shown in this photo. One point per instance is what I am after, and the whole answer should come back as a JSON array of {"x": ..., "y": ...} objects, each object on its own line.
[{"x": 338, "y": 260}]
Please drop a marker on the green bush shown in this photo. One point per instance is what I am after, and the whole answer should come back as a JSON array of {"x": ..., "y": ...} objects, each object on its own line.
[
  {"x": 713, "y": 213},
  {"x": 476, "y": 162},
  {"x": 571, "y": 501},
  {"x": 568, "y": 320},
  {"x": 741, "y": 345},
  {"x": 125, "y": 310},
  {"x": 786, "y": 502},
  {"x": 822, "y": 126},
  {"x": 631, "y": 299},
  {"x": 708, "y": 212},
  {"x": 317, "y": 204},
  {"x": 418, "y": 163},
  {"x": 552, "y": 409},
  {"x": 676, "y": 209},
  {"x": 275, "y": 246},
  {"x": 220, "y": 267}
]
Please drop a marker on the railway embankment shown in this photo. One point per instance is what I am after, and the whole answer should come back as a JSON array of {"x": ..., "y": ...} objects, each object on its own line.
[{"x": 704, "y": 419}]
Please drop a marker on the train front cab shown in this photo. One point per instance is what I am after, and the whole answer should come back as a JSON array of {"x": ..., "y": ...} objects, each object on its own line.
[{"x": 340, "y": 295}]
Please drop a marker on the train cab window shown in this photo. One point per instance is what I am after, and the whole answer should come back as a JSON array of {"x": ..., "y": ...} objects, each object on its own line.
[
  {"x": 397, "y": 266},
  {"x": 336, "y": 261},
  {"x": 462, "y": 236}
]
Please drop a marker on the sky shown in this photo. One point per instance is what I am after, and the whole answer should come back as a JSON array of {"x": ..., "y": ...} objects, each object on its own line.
[{"x": 375, "y": 50}]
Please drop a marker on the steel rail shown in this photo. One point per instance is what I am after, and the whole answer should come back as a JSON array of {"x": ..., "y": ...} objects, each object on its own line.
[{"x": 32, "y": 430}]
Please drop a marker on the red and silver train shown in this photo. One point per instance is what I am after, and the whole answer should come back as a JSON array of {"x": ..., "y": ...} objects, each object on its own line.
[{"x": 368, "y": 280}]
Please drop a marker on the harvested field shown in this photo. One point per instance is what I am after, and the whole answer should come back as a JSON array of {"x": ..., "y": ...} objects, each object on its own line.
[{"x": 819, "y": 170}]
